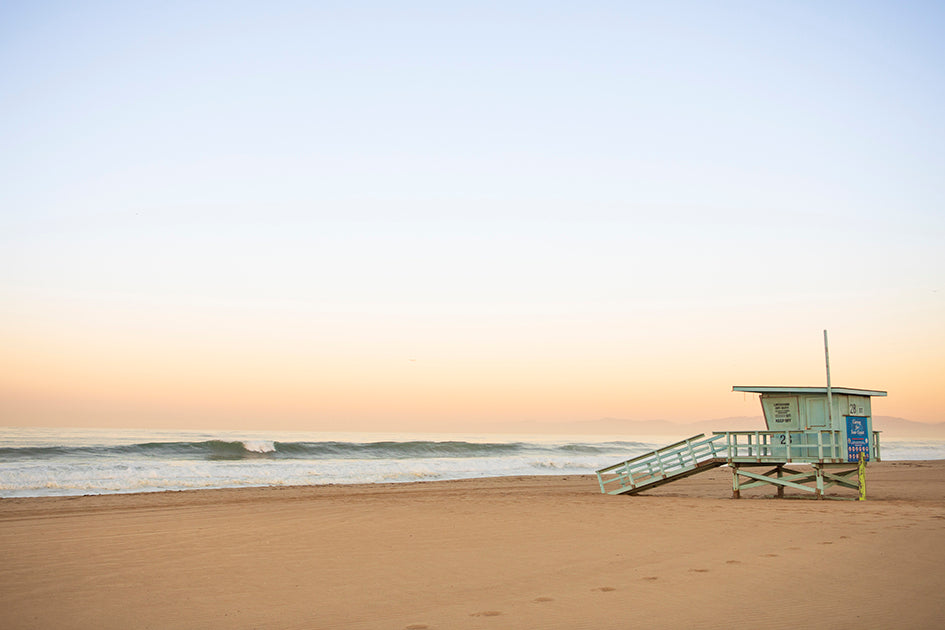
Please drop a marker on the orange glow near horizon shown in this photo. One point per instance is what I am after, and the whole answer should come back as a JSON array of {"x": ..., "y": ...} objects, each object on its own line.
[
  {"x": 396, "y": 379},
  {"x": 434, "y": 219}
]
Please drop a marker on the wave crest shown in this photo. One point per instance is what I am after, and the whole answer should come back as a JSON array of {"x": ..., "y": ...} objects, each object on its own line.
[{"x": 217, "y": 450}]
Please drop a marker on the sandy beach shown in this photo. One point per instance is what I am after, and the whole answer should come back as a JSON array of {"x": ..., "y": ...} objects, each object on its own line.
[{"x": 522, "y": 552}]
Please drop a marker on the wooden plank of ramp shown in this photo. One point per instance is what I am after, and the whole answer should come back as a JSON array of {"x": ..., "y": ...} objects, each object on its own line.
[{"x": 646, "y": 485}]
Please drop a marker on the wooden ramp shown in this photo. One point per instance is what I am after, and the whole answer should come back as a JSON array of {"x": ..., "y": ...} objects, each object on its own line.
[{"x": 664, "y": 465}]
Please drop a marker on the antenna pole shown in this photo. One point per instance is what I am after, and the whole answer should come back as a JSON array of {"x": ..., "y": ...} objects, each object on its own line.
[{"x": 829, "y": 393}]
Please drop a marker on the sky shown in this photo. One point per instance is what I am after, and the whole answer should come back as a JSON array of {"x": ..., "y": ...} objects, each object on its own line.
[{"x": 448, "y": 216}]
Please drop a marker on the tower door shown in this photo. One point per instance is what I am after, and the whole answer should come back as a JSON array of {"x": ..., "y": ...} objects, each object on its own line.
[{"x": 816, "y": 413}]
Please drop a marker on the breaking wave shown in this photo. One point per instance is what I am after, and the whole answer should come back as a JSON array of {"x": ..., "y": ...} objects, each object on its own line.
[
  {"x": 216, "y": 450},
  {"x": 97, "y": 463}
]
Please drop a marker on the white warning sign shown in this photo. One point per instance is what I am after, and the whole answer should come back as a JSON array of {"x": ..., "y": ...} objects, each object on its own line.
[{"x": 781, "y": 412}]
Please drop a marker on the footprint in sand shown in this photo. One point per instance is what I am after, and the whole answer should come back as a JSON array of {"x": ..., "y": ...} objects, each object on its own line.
[
  {"x": 417, "y": 626},
  {"x": 733, "y": 562},
  {"x": 604, "y": 589},
  {"x": 771, "y": 555},
  {"x": 827, "y": 542},
  {"x": 486, "y": 613},
  {"x": 542, "y": 600},
  {"x": 651, "y": 578},
  {"x": 698, "y": 570}
]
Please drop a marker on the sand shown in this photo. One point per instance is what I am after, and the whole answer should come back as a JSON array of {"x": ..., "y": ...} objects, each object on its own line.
[{"x": 535, "y": 552}]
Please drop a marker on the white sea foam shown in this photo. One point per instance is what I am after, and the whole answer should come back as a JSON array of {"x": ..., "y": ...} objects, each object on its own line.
[{"x": 259, "y": 446}]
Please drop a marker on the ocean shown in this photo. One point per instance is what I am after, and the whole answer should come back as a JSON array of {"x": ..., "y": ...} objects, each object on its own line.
[{"x": 63, "y": 462}]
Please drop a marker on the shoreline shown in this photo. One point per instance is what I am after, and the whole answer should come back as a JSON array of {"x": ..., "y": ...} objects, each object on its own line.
[
  {"x": 834, "y": 493},
  {"x": 499, "y": 552}
]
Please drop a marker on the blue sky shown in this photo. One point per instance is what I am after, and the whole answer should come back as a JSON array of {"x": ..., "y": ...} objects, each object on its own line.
[{"x": 611, "y": 185}]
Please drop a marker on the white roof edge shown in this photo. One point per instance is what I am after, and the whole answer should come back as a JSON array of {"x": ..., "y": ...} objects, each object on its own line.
[{"x": 807, "y": 390}]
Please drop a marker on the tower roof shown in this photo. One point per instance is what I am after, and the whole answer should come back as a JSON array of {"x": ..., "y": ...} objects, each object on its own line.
[{"x": 850, "y": 391}]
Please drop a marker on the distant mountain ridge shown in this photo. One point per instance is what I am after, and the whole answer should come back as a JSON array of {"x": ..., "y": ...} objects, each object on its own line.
[
  {"x": 902, "y": 428},
  {"x": 890, "y": 426}
]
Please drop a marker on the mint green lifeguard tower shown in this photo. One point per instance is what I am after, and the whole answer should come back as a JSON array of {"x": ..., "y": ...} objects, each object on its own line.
[{"x": 829, "y": 429}]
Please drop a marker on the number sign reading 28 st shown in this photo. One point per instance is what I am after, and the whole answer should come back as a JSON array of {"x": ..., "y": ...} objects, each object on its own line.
[{"x": 858, "y": 439}]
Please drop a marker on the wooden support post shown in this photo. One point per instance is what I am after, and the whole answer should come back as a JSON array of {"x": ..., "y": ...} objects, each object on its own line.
[
  {"x": 861, "y": 474},
  {"x": 736, "y": 492},
  {"x": 780, "y": 487},
  {"x": 659, "y": 462},
  {"x": 819, "y": 478}
]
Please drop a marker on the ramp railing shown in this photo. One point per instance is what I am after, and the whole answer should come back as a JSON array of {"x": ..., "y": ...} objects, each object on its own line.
[
  {"x": 699, "y": 453},
  {"x": 670, "y": 462}
]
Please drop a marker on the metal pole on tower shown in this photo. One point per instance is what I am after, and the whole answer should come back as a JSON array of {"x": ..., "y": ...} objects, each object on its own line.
[{"x": 829, "y": 393}]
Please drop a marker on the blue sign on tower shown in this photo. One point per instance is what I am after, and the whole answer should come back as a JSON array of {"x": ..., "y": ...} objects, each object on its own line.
[{"x": 858, "y": 438}]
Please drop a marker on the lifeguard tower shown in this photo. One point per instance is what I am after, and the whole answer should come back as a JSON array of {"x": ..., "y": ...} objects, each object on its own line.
[{"x": 828, "y": 428}]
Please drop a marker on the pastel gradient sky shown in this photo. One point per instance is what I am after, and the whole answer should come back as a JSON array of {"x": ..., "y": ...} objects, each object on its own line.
[{"x": 437, "y": 216}]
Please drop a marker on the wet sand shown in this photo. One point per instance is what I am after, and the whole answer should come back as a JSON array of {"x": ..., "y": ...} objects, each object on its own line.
[{"x": 525, "y": 552}]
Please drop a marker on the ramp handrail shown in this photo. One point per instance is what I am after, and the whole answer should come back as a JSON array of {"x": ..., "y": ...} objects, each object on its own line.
[
  {"x": 664, "y": 462},
  {"x": 698, "y": 452}
]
